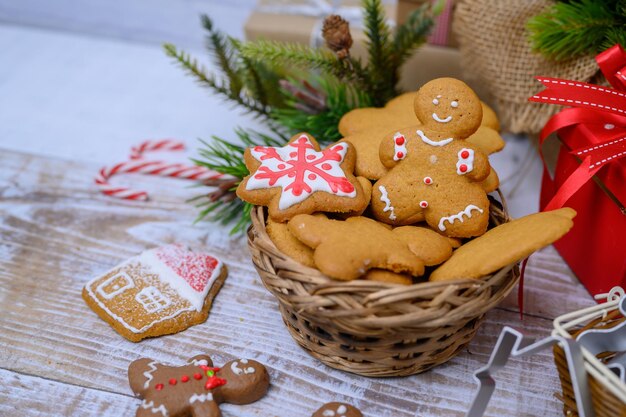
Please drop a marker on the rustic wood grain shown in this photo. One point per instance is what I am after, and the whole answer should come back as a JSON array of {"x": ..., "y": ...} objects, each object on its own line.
[{"x": 56, "y": 232}]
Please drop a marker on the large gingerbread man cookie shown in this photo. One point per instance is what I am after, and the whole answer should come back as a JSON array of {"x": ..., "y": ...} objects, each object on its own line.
[
  {"x": 300, "y": 178},
  {"x": 435, "y": 175},
  {"x": 197, "y": 388},
  {"x": 365, "y": 128}
]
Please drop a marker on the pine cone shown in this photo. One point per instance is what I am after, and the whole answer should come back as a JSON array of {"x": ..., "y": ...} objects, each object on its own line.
[{"x": 336, "y": 33}]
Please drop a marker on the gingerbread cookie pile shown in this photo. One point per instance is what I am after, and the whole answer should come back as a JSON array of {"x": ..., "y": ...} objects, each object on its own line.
[{"x": 402, "y": 196}]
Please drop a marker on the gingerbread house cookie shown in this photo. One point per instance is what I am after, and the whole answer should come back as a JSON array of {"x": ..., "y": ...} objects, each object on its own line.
[{"x": 161, "y": 291}]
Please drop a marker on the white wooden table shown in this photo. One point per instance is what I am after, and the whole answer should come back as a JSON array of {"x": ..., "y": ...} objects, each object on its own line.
[{"x": 73, "y": 101}]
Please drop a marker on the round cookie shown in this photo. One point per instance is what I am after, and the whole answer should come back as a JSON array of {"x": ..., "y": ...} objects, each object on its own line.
[
  {"x": 336, "y": 409},
  {"x": 388, "y": 277}
]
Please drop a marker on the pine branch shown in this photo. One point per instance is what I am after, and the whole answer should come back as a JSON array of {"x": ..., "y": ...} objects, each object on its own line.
[
  {"x": 576, "y": 28},
  {"x": 302, "y": 56},
  {"x": 379, "y": 52},
  {"x": 218, "y": 45},
  {"x": 192, "y": 67}
]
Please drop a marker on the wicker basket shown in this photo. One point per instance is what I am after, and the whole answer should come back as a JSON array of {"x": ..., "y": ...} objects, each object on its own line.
[
  {"x": 608, "y": 393},
  {"x": 372, "y": 328}
]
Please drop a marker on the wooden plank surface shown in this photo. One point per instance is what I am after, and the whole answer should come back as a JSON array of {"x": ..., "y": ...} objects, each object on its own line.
[{"x": 57, "y": 231}]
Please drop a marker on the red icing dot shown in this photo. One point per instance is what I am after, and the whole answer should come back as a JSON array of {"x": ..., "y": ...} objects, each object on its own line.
[
  {"x": 423, "y": 204},
  {"x": 173, "y": 381},
  {"x": 185, "y": 378},
  {"x": 400, "y": 155},
  {"x": 309, "y": 157},
  {"x": 400, "y": 140},
  {"x": 293, "y": 154},
  {"x": 197, "y": 376},
  {"x": 463, "y": 168},
  {"x": 158, "y": 387},
  {"x": 465, "y": 154},
  {"x": 326, "y": 167},
  {"x": 312, "y": 176},
  {"x": 214, "y": 382},
  {"x": 291, "y": 174},
  {"x": 281, "y": 166},
  {"x": 428, "y": 180}
]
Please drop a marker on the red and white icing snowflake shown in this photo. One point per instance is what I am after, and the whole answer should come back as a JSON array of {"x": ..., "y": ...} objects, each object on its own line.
[{"x": 300, "y": 170}]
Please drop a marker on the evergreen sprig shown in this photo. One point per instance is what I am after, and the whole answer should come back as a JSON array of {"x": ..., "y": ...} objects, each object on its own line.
[{"x": 578, "y": 27}]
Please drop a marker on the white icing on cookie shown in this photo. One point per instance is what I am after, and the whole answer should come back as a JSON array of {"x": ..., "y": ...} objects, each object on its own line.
[
  {"x": 238, "y": 371},
  {"x": 328, "y": 413},
  {"x": 342, "y": 409},
  {"x": 150, "y": 405},
  {"x": 148, "y": 373},
  {"x": 299, "y": 170},
  {"x": 459, "y": 216},
  {"x": 384, "y": 197},
  {"x": 150, "y": 261},
  {"x": 199, "y": 362},
  {"x": 442, "y": 142},
  {"x": 440, "y": 120},
  {"x": 399, "y": 143},
  {"x": 454, "y": 104},
  {"x": 115, "y": 285},
  {"x": 201, "y": 398},
  {"x": 465, "y": 164}
]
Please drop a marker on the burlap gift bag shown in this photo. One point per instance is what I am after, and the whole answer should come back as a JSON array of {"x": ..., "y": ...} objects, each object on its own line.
[{"x": 496, "y": 52}]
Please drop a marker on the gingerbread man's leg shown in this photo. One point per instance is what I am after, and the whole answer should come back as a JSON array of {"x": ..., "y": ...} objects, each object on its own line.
[
  {"x": 394, "y": 198},
  {"x": 208, "y": 408},
  {"x": 462, "y": 215}
]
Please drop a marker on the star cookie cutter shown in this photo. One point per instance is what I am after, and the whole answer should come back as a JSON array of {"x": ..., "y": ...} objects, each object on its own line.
[{"x": 580, "y": 354}]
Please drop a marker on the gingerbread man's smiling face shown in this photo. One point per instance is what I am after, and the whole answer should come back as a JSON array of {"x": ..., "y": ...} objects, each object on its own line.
[{"x": 448, "y": 106}]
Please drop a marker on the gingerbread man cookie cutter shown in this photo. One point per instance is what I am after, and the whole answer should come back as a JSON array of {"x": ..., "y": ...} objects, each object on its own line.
[{"x": 580, "y": 354}]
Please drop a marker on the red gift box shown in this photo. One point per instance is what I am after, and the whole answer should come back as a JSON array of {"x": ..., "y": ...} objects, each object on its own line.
[{"x": 590, "y": 173}]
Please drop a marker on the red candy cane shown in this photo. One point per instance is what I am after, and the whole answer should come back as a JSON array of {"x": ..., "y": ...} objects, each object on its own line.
[{"x": 140, "y": 166}]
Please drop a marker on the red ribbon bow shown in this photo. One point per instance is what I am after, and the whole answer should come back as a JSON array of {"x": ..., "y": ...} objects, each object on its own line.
[{"x": 598, "y": 114}]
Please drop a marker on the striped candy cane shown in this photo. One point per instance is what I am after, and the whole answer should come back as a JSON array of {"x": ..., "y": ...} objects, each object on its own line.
[
  {"x": 137, "y": 152},
  {"x": 140, "y": 166}
]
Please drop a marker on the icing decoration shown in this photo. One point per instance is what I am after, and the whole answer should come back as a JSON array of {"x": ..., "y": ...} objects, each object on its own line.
[
  {"x": 433, "y": 159},
  {"x": 173, "y": 381},
  {"x": 238, "y": 371},
  {"x": 609, "y": 126},
  {"x": 454, "y": 104},
  {"x": 158, "y": 387},
  {"x": 399, "y": 147},
  {"x": 459, "y": 216},
  {"x": 150, "y": 405},
  {"x": 384, "y": 197},
  {"x": 299, "y": 170},
  {"x": 423, "y": 204},
  {"x": 184, "y": 378},
  {"x": 201, "y": 362},
  {"x": 440, "y": 120},
  {"x": 214, "y": 382},
  {"x": 428, "y": 180},
  {"x": 442, "y": 142},
  {"x": 465, "y": 164},
  {"x": 115, "y": 285},
  {"x": 148, "y": 373},
  {"x": 197, "y": 376},
  {"x": 341, "y": 412},
  {"x": 190, "y": 274},
  {"x": 201, "y": 398}
]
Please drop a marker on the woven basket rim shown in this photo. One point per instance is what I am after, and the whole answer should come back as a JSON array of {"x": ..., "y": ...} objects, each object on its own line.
[{"x": 378, "y": 293}]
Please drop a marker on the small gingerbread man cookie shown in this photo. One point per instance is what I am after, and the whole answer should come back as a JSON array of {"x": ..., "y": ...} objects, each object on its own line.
[
  {"x": 336, "y": 409},
  {"x": 300, "y": 178},
  {"x": 435, "y": 175},
  {"x": 195, "y": 389}
]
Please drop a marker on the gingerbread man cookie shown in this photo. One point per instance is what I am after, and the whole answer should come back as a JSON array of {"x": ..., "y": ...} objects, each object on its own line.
[
  {"x": 435, "y": 175},
  {"x": 365, "y": 128},
  {"x": 336, "y": 409},
  {"x": 347, "y": 250},
  {"x": 300, "y": 178},
  {"x": 195, "y": 389}
]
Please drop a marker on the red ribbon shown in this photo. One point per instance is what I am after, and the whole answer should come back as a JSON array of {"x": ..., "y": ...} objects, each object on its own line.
[{"x": 597, "y": 113}]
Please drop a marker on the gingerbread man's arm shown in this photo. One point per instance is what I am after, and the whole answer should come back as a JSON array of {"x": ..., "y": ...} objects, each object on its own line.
[
  {"x": 140, "y": 375},
  {"x": 480, "y": 165},
  {"x": 393, "y": 148}
]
